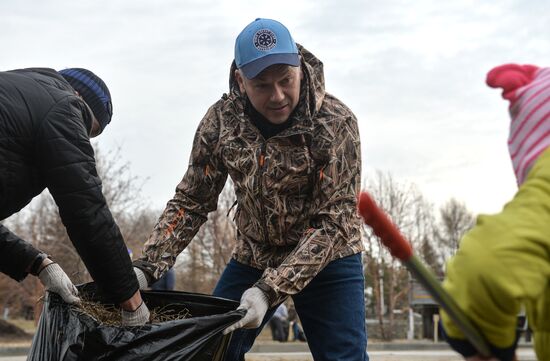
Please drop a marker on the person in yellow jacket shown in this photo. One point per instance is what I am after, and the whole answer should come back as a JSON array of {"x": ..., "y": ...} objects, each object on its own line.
[{"x": 503, "y": 263}]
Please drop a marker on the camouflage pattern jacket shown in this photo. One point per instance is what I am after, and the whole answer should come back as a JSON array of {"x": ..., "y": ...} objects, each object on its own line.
[{"x": 296, "y": 192}]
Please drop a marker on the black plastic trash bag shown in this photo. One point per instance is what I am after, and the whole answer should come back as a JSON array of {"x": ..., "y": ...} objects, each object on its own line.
[{"x": 66, "y": 334}]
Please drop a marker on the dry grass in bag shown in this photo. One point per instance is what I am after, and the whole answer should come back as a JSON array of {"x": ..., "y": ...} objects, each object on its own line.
[{"x": 111, "y": 316}]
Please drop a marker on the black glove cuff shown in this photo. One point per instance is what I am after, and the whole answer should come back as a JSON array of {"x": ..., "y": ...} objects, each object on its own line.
[
  {"x": 35, "y": 266},
  {"x": 147, "y": 269},
  {"x": 269, "y": 292},
  {"x": 466, "y": 349}
]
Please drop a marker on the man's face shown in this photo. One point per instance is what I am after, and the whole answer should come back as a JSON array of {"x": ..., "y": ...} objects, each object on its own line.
[
  {"x": 275, "y": 92},
  {"x": 96, "y": 128}
]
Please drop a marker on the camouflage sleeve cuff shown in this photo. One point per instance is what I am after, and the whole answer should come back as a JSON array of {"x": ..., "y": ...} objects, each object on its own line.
[
  {"x": 272, "y": 297},
  {"x": 147, "y": 268}
]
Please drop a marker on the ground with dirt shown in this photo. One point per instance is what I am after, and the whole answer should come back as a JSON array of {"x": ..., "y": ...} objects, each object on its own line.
[{"x": 10, "y": 332}]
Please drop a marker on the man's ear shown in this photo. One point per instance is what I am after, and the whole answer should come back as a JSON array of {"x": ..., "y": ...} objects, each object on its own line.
[{"x": 240, "y": 81}]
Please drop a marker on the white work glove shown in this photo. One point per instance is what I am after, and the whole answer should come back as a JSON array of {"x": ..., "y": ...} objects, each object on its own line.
[
  {"x": 138, "y": 317},
  {"x": 254, "y": 301},
  {"x": 142, "y": 279},
  {"x": 56, "y": 280}
]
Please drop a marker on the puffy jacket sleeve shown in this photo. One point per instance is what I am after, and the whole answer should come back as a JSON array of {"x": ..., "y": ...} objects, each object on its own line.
[
  {"x": 334, "y": 224},
  {"x": 503, "y": 263},
  {"x": 196, "y": 195},
  {"x": 67, "y": 163},
  {"x": 16, "y": 255}
]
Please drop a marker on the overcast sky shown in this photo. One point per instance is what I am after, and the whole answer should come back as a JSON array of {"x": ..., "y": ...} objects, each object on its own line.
[{"x": 412, "y": 71}]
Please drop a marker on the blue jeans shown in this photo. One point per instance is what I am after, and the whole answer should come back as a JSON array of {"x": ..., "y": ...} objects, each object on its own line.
[
  {"x": 166, "y": 282},
  {"x": 331, "y": 308}
]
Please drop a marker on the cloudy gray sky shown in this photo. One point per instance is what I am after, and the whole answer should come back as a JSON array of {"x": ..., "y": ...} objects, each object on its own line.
[{"x": 412, "y": 71}]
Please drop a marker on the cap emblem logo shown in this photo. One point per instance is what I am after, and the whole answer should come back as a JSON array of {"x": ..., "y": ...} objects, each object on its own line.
[{"x": 264, "y": 40}]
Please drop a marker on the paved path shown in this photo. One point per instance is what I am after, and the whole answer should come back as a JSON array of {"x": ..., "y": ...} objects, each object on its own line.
[
  {"x": 442, "y": 355},
  {"x": 436, "y": 355}
]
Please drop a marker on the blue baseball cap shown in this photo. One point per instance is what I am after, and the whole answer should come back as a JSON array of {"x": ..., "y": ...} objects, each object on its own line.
[{"x": 262, "y": 43}]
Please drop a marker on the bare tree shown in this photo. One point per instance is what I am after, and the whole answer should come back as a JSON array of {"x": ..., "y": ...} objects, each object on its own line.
[
  {"x": 38, "y": 224},
  {"x": 205, "y": 258},
  {"x": 34, "y": 226},
  {"x": 455, "y": 221},
  {"x": 422, "y": 237},
  {"x": 431, "y": 257},
  {"x": 411, "y": 214},
  {"x": 220, "y": 232},
  {"x": 121, "y": 188},
  {"x": 136, "y": 228}
]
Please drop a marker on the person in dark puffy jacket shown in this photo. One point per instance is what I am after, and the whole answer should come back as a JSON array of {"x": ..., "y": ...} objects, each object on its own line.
[{"x": 46, "y": 121}]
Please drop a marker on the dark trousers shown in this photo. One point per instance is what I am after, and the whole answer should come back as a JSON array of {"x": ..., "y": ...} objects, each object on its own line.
[{"x": 331, "y": 308}]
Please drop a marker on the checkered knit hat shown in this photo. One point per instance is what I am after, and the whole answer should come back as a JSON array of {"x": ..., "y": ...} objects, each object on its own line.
[
  {"x": 94, "y": 92},
  {"x": 527, "y": 87}
]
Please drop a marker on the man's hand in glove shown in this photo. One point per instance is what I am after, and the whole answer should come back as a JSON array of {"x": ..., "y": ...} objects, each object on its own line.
[
  {"x": 134, "y": 311},
  {"x": 254, "y": 301},
  {"x": 56, "y": 280}
]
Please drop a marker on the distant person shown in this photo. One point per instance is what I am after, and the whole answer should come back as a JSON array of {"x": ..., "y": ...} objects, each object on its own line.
[
  {"x": 46, "y": 121},
  {"x": 503, "y": 263},
  {"x": 279, "y": 324},
  {"x": 167, "y": 282},
  {"x": 293, "y": 152}
]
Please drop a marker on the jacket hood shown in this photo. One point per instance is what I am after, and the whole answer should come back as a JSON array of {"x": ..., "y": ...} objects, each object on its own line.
[{"x": 312, "y": 92}]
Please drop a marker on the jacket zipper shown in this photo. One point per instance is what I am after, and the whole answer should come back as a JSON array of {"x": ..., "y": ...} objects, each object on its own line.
[{"x": 261, "y": 162}]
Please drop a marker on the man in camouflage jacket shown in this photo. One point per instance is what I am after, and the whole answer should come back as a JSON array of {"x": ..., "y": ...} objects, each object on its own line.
[{"x": 293, "y": 153}]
